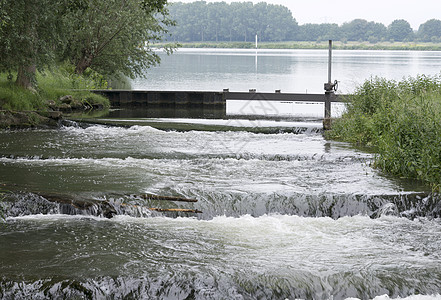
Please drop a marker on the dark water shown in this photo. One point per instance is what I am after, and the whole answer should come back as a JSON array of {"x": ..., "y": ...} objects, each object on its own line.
[{"x": 285, "y": 215}]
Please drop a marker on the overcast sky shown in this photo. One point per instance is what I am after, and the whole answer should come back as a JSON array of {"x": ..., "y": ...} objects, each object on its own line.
[{"x": 415, "y": 12}]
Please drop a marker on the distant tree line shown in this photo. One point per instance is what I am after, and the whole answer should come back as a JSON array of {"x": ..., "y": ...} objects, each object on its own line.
[{"x": 240, "y": 21}]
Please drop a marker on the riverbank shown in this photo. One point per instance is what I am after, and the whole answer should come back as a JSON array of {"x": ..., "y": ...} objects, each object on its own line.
[
  {"x": 56, "y": 93},
  {"x": 401, "y": 121},
  {"x": 338, "y": 45},
  {"x": 28, "y": 119},
  {"x": 49, "y": 116}
]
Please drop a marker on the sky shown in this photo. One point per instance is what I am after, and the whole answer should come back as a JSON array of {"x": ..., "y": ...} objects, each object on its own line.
[{"x": 415, "y": 12}]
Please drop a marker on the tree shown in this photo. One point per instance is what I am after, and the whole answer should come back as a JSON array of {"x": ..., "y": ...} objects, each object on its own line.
[
  {"x": 115, "y": 36},
  {"x": 182, "y": 13},
  {"x": 316, "y": 32},
  {"x": 30, "y": 30},
  {"x": 242, "y": 21},
  {"x": 362, "y": 30},
  {"x": 399, "y": 30},
  {"x": 238, "y": 21},
  {"x": 215, "y": 11},
  {"x": 430, "y": 31},
  {"x": 111, "y": 35},
  {"x": 375, "y": 32},
  {"x": 279, "y": 22}
]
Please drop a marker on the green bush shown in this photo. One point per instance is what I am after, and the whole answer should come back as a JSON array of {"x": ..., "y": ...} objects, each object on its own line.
[{"x": 401, "y": 121}]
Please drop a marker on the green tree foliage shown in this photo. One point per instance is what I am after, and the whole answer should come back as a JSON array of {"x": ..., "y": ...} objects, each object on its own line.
[
  {"x": 318, "y": 32},
  {"x": 238, "y": 21},
  {"x": 430, "y": 31},
  {"x": 400, "y": 31},
  {"x": 362, "y": 30},
  {"x": 30, "y": 30},
  {"x": 110, "y": 36},
  {"x": 114, "y": 36}
]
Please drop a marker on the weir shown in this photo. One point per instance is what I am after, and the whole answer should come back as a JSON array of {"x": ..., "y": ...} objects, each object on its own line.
[
  {"x": 410, "y": 205},
  {"x": 214, "y": 103},
  {"x": 291, "y": 215},
  {"x": 138, "y": 98},
  {"x": 218, "y": 100}
]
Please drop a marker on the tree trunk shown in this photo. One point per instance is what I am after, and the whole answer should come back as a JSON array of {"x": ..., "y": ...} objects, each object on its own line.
[
  {"x": 26, "y": 77},
  {"x": 83, "y": 63}
]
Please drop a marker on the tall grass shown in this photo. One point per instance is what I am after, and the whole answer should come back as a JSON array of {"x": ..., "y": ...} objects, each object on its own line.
[
  {"x": 401, "y": 121},
  {"x": 13, "y": 97},
  {"x": 51, "y": 85}
]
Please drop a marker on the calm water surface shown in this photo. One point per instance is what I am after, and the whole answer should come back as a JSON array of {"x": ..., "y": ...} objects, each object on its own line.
[
  {"x": 293, "y": 71},
  {"x": 286, "y": 214}
]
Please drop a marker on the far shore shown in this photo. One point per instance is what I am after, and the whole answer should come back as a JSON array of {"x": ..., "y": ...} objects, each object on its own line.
[{"x": 338, "y": 45}]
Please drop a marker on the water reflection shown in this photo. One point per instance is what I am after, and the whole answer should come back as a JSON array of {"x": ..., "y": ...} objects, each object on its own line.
[
  {"x": 169, "y": 112},
  {"x": 234, "y": 109},
  {"x": 294, "y": 71}
]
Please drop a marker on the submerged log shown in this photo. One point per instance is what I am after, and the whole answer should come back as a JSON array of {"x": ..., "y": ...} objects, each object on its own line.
[
  {"x": 194, "y": 211},
  {"x": 108, "y": 209},
  {"x": 166, "y": 198}
]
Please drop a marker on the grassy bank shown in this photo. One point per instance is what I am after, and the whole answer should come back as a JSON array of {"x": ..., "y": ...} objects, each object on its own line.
[
  {"x": 19, "y": 105},
  {"x": 401, "y": 121},
  {"x": 318, "y": 45},
  {"x": 51, "y": 86}
]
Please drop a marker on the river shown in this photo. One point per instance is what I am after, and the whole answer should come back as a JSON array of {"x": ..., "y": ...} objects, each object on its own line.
[
  {"x": 291, "y": 71},
  {"x": 281, "y": 214}
]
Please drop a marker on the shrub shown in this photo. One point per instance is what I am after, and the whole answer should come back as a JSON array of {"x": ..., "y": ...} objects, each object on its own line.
[{"x": 401, "y": 121}]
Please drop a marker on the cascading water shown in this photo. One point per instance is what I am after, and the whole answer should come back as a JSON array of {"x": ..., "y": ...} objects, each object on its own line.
[{"x": 284, "y": 215}]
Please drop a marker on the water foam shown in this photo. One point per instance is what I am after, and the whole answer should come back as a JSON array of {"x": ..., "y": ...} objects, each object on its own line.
[{"x": 413, "y": 297}]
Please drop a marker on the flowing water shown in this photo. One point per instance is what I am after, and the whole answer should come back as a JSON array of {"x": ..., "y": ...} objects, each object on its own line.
[{"x": 284, "y": 214}]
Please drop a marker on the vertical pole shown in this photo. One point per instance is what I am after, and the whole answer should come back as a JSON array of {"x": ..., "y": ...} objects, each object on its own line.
[
  {"x": 329, "y": 92},
  {"x": 255, "y": 64},
  {"x": 330, "y": 62}
]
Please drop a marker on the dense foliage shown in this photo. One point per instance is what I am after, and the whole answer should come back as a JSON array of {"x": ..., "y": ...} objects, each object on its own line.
[
  {"x": 401, "y": 121},
  {"x": 113, "y": 36},
  {"x": 30, "y": 31},
  {"x": 110, "y": 36},
  {"x": 240, "y": 21}
]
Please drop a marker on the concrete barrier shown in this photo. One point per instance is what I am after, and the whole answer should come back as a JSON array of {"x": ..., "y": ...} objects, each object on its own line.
[{"x": 138, "y": 98}]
